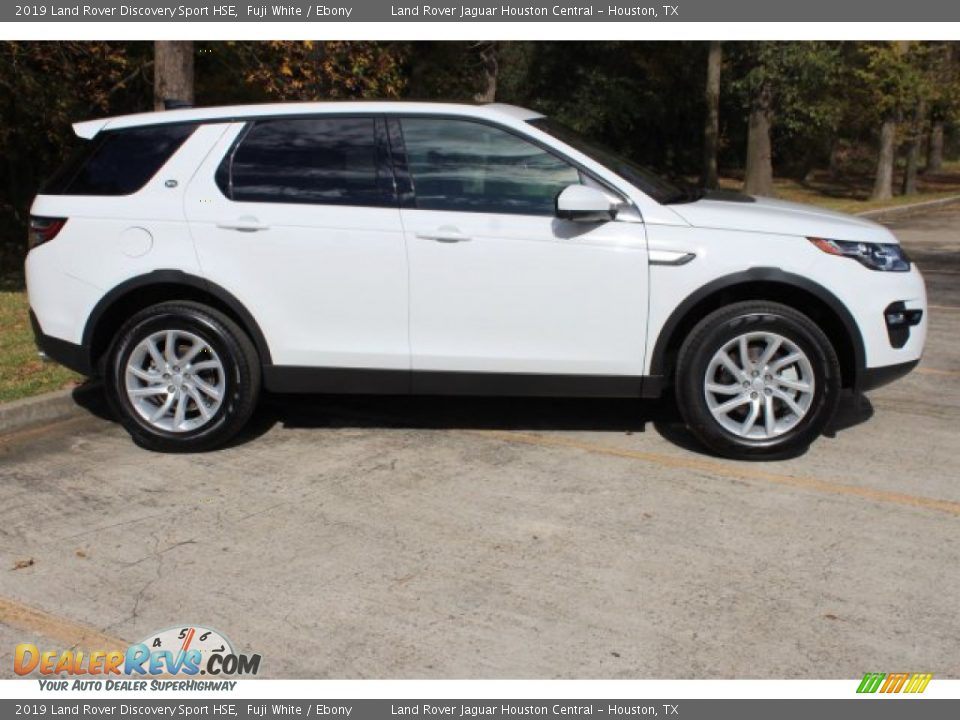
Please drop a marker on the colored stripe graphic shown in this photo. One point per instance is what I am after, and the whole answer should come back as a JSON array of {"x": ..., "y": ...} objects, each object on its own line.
[
  {"x": 918, "y": 682},
  {"x": 870, "y": 682},
  {"x": 894, "y": 682}
]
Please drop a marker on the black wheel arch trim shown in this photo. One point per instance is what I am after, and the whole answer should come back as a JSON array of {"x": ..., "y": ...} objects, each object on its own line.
[
  {"x": 175, "y": 277},
  {"x": 658, "y": 362}
]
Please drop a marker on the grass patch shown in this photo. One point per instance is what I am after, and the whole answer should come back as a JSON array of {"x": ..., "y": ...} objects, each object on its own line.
[
  {"x": 22, "y": 373},
  {"x": 805, "y": 195},
  {"x": 850, "y": 193}
]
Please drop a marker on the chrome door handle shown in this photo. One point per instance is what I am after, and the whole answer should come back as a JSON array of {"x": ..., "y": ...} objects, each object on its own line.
[
  {"x": 244, "y": 224},
  {"x": 445, "y": 235}
]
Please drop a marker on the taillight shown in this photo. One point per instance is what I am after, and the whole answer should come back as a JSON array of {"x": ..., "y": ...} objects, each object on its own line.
[{"x": 43, "y": 229}]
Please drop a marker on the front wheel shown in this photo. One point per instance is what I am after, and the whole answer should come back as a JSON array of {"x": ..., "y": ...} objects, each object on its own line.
[
  {"x": 757, "y": 379},
  {"x": 182, "y": 377}
]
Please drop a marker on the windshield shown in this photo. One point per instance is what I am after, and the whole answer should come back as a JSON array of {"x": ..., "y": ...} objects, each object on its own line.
[{"x": 646, "y": 181}]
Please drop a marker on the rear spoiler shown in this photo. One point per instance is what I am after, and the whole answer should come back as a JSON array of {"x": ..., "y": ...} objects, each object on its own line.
[{"x": 89, "y": 128}]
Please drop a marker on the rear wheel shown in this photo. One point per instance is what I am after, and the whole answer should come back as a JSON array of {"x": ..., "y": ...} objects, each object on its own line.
[
  {"x": 182, "y": 377},
  {"x": 757, "y": 379}
]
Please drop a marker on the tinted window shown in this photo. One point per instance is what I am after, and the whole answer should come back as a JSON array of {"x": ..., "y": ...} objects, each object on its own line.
[
  {"x": 57, "y": 183},
  {"x": 118, "y": 162},
  {"x": 463, "y": 165},
  {"x": 330, "y": 161},
  {"x": 645, "y": 180}
]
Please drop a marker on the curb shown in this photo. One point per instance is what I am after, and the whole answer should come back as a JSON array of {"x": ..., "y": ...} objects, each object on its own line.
[
  {"x": 56, "y": 405},
  {"x": 898, "y": 209}
]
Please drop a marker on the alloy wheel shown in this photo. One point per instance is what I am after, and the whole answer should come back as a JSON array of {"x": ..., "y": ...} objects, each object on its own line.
[
  {"x": 175, "y": 381},
  {"x": 759, "y": 385}
]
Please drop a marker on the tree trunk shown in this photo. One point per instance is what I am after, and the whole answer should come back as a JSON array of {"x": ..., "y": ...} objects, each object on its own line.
[
  {"x": 883, "y": 184},
  {"x": 172, "y": 71},
  {"x": 935, "y": 148},
  {"x": 711, "y": 126},
  {"x": 909, "y": 186},
  {"x": 886, "y": 157},
  {"x": 491, "y": 68},
  {"x": 759, "y": 173},
  {"x": 836, "y": 151}
]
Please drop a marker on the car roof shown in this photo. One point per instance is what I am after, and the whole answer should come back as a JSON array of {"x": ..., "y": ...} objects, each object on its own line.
[{"x": 228, "y": 113}]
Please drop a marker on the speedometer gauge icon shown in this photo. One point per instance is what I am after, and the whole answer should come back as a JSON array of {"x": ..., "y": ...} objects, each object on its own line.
[{"x": 179, "y": 640}]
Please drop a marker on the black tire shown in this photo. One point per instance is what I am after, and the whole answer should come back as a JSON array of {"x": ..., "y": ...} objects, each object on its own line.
[
  {"x": 241, "y": 375},
  {"x": 727, "y": 324}
]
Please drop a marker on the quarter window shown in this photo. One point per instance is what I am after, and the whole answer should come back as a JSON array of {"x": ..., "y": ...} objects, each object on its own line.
[
  {"x": 468, "y": 166},
  {"x": 118, "y": 162},
  {"x": 326, "y": 161}
]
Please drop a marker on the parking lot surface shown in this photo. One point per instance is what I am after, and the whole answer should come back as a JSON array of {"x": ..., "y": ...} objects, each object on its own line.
[{"x": 485, "y": 538}]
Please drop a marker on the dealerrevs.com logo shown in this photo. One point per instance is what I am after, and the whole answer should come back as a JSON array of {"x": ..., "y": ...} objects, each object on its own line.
[{"x": 182, "y": 652}]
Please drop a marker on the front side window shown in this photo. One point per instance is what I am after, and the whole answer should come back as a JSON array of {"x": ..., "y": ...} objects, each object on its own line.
[
  {"x": 648, "y": 182},
  {"x": 322, "y": 161},
  {"x": 468, "y": 166}
]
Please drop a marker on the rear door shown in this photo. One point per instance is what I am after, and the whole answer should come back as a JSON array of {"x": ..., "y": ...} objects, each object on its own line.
[{"x": 297, "y": 217}]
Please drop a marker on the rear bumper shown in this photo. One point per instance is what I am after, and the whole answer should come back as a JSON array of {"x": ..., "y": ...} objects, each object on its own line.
[
  {"x": 872, "y": 378},
  {"x": 66, "y": 353}
]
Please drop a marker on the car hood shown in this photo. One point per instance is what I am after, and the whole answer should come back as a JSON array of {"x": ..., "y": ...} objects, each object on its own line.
[{"x": 766, "y": 215}]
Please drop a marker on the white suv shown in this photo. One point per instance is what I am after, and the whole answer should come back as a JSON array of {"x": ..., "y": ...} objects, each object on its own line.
[{"x": 193, "y": 256}]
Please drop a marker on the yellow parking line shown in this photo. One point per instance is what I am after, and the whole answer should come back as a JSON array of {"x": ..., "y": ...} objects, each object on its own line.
[
  {"x": 736, "y": 472},
  {"x": 938, "y": 371},
  {"x": 15, "y": 436},
  {"x": 66, "y": 632}
]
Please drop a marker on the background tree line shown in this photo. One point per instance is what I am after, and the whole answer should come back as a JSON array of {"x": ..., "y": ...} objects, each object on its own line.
[{"x": 739, "y": 111}]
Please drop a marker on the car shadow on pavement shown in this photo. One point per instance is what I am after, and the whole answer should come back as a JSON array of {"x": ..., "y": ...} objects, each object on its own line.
[
  {"x": 467, "y": 413},
  {"x": 90, "y": 396},
  {"x": 852, "y": 410},
  {"x": 621, "y": 416}
]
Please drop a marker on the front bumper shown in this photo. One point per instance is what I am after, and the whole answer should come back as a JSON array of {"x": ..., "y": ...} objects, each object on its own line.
[{"x": 872, "y": 378}]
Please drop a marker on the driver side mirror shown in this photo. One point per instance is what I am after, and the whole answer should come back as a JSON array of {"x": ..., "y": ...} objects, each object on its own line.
[{"x": 581, "y": 203}]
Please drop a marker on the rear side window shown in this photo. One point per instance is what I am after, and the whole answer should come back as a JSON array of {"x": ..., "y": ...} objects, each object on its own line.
[
  {"x": 321, "y": 161},
  {"x": 118, "y": 162}
]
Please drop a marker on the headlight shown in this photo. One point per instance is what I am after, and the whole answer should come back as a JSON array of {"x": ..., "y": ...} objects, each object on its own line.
[{"x": 876, "y": 256}]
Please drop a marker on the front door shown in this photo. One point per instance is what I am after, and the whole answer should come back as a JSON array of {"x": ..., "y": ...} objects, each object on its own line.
[{"x": 499, "y": 284}]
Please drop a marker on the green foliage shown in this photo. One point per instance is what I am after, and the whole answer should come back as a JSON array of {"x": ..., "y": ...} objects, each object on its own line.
[
  {"x": 941, "y": 79},
  {"x": 801, "y": 83},
  {"x": 806, "y": 77},
  {"x": 642, "y": 99},
  {"x": 45, "y": 86},
  {"x": 307, "y": 70},
  {"x": 445, "y": 70},
  {"x": 888, "y": 76}
]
